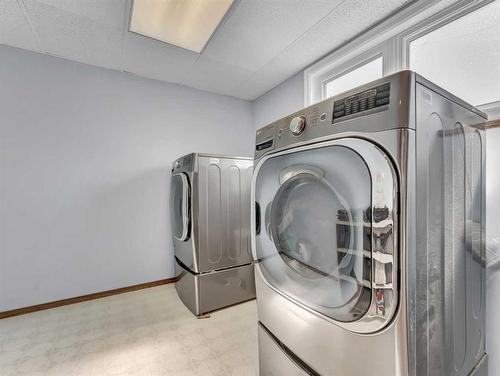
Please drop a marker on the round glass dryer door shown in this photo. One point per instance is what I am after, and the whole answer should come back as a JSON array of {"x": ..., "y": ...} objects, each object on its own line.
[
  {"x": 327, "y": 229},
  {"x": 179, "y": 206}
]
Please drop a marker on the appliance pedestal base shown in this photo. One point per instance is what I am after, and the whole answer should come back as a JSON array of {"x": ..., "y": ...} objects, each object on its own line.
[{"x": 207, "y": 292}]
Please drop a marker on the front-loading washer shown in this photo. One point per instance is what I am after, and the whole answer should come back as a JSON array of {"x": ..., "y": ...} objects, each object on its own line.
[
  {"x": 368, "y": 234},
  {"x": 210, "y": 215}
]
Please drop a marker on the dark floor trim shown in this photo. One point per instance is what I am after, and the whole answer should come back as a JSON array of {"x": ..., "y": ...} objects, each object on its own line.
[{"x": 83, "y": 298}]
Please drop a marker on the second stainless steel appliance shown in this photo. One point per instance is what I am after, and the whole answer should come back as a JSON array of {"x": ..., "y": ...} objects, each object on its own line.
[{"x": 210, "y": 220}]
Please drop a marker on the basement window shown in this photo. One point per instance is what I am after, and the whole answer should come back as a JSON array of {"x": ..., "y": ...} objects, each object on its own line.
[
  {"x": 457, "y": 47},
  {"x": 369, "y": 71},
  {"x": 462, "y": 56}
]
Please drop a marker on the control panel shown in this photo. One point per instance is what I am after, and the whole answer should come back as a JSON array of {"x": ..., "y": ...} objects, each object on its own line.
[
  {"x": 372, "y": 107},
  {"x": 297, "y": 125},
  {"x": 349, "y": 107},
  {"x": 265, "y": 139},
  {"x": 184, "y": 163},
  {"x": 324, "y": 117}
]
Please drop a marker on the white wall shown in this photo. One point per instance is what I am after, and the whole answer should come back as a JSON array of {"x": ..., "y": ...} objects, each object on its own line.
[
  {"x": 85, "y": 157},
  {"x": 284, "y": 99}
]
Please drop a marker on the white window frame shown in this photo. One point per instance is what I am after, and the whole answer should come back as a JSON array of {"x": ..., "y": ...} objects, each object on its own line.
[
  {"x": 434, "y": 22},
  {"x": 390, "y": 39},
  {"x": 340, "y": 67}
]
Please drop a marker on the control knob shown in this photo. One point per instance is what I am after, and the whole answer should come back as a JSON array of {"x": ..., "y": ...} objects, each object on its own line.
[{"x": 297, "y": 125}]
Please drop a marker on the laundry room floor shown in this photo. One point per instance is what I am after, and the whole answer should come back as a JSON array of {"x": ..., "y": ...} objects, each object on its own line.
[{"x": 146, "y": 332}]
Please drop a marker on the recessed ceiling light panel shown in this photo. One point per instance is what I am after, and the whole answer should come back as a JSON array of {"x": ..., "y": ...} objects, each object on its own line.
[{"x": 185, "y": 23}]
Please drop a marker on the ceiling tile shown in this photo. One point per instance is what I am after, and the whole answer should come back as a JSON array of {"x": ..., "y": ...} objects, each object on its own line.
[
  {"x": 77, "y": 37},
  {"x": 262, "y": 81},
  {"x": 14, "y": 27},
  {"x": 350, "y": 19},
  {"x": 250, "y": 90},
  {"x": 259, "y": 44},
  {"x": 207, "y": 74},
  {"x": 154, "y": 59},
  {"x": 107, "y": 12},
  {"x": 347, "y": 21},
  {"x": 257, "y": 30}
]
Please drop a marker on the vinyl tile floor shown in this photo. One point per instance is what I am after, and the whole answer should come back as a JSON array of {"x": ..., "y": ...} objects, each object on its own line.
[{"x": 146, "y": 332}]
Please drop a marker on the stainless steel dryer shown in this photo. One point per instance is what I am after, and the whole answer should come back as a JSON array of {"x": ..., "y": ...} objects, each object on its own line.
[
  {"x": 368, "y": 231},
  {"x": 210, "y": 215}
]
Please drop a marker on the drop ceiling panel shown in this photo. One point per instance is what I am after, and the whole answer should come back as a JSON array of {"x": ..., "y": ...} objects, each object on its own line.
[
  {"x": 271, "y": 75},
  {"x": 259, "y": 44},
  {"x": 77, "y": 37},
  {"x": 154, "y": 59},
  {"x": 348, "y": 20},
  {"x": 253, "y": 89},
  {"x": 108, "y": 12},
  {"x": 257, "y": 30},
  {"x": 14, "y": 26},
  {"x": 221, "y": 78}
]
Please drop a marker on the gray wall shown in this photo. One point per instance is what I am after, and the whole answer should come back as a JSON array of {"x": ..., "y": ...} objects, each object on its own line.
[
  {"x": 284, "y": 99},
  {"x": 85, "y": 156}
]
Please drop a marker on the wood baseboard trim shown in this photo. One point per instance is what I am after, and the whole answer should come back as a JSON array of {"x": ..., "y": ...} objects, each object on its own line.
[{"x": 84, "y": 298}]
